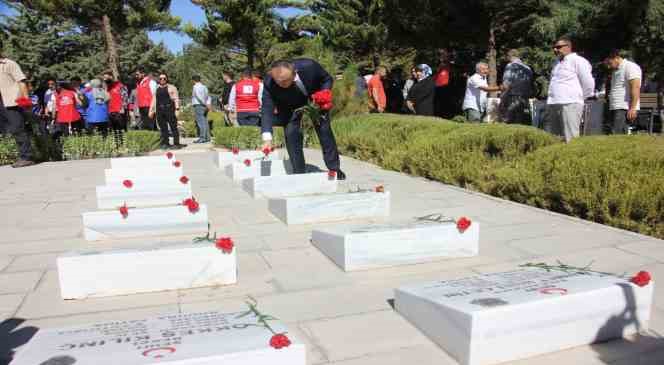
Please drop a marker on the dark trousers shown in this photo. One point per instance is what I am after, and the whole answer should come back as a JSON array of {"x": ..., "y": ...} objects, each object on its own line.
[
  {"x": 619, "y": 123},
  {"x": 147, "y": 123},
  {"x": 166, "y": 119},
  {"x": 249, "y": 119},
  {"x": 295, "y": 142},
  {"x": 514, "y": 109},
  {"x": 444, "y": 102},
  {"x": 100, "y": 128},
  {"x": 118, "y": 123},
  {"x": 12, "y": 122}
]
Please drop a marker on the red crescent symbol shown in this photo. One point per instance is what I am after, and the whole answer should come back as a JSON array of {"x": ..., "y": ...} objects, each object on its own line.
[
  {"x": 559, "y": 291},
  {"x": 168, "y": 350}
]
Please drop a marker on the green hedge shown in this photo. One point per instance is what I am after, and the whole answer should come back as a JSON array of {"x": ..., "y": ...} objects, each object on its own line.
[{"x": 244, "y": 137}]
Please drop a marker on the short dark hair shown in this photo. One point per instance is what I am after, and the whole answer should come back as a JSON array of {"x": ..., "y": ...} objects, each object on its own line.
[
  {"x": 196, "y": 78},
  {"x": 247, "y": 72},
  {"x": 283, "y": 63},
  {"x": 257, "y": 74},
  {"x": 567, "y": 39},
  {"x": 228, "y": 73},
  {"x": 140, "y": 69},
  {"x": 75, "y": 78},
  {"x": 615, "y": 53}
]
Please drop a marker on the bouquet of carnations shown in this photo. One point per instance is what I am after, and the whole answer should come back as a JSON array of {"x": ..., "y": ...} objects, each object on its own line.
[{"x": 321, "y": 101}]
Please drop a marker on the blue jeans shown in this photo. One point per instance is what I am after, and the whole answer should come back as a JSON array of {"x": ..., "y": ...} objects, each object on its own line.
[{"x": 201, "y": 121}]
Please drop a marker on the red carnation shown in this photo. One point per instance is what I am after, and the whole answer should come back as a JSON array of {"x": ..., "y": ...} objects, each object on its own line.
[
  {"x": 641, "y": 279},
  {"x": 225, "y": 244},
  {"x": 169, "y": 155},
  {"x": 331, "y": 175},
  {"x": 379, "y": 189},
  {"x": 177, "y": 163},
  {"x": 235, "y": 150},
  {"x": 267, "y": 150},
  {"x": 124, "y": 211},
  {"x": 279, "y": 341},
  {"x": 247, "y": 162},
  {"x": 24, "y": 102},
  {"x": 128, "y": 184},
  {"x": 184, "y": 179},
  {"x": 323, "y": 99},
  {"x": 191, "y": 204},
  {"x": 463, "y": 223}
]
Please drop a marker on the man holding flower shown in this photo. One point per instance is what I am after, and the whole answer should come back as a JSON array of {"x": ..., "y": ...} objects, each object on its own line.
[{"x": 288, "y": 87}]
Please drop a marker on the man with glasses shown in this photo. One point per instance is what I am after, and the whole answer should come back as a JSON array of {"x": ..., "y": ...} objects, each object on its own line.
[{"x": 571, "y": 84}]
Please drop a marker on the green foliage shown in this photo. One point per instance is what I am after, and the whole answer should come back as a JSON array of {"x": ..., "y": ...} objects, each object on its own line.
[
  {"x": 8, "y": 150},
  {"x": 245, "y": 137},
  {"x": 617, "y": 180},
  {"x": 88, "y": 147},
  {"x": 140, "y": 142}
]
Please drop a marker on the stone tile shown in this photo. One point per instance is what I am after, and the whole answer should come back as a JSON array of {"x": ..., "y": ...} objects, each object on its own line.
[
  {"x": 571, "y": 240},
  {"x": 41, "y": 262},
  {"x": 420, "y": 355},
  {"x": 105, "y": 316},
  {"x": 303, "y": 268},
  {"x": 5, "y": 261},
  {"x": 9, "y": 304},
  {"x": 363, "y": 334},
  {"x": 649, "y": 248},
  {"x": 19, "y": 282},
  {"x": 288, "y": 241}
]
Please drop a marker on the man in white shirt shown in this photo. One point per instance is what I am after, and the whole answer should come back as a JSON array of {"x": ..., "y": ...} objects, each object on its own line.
[
  {"x": 199, "y": 98},
  {"x": 475, "y": 101},
  {"x": 571, "y": 84},
  {"x": 625, "y": 93}
]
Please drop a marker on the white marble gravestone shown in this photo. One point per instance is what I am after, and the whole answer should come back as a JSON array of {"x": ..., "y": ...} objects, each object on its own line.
[
  {"x": 147, "y": 175},
  {"x": 143, "y": 162},
  {"x": 290, "y": 185},
  {"x": 330, "y": 207},
  {"x": 141, "y": 222},
  {"x": 207, "y": 338},
  {"x": 142, "y": 195},
  {"x": 184, "y": 265},
  {"x": 493, "y": 318},
  {"x": 362, "y": 247},
  {"x": 238, "y": 171},
  {"x": 225, "y": 158}
]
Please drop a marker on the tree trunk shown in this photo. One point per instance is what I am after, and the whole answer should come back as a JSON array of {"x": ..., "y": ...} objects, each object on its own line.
[
  {"x": 251, "y": 54},
  {"x": 111, "y": 47},
  {"x": 491, "y": 56}
]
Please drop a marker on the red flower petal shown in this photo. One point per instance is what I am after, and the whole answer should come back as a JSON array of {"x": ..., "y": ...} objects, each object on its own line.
[
  {"x": 247, "y": 162},
  {"x": 184, "y": 179},
  {"x": 124, "y": 211},
  {"x": 463, "y": 223},
  {"x": 169, "y": 155},
  {"x": 379, "y": 189},
  {"x": 191, "y": 204},
  {"x": 279, "y": 341},
  {"x": 127, "y": 184},
  {"x": 225, "y": 244},
  {"x": 266, "y": 151},
  {"x": 235, "y": 150},
  {"x": 177, "y": 163},
  {"x": 331, "y": 175},
  {"x": 641, "y": 279}
]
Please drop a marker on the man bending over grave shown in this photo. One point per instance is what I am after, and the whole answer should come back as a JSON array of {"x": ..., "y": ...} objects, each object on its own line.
[{"x": 288, "y": 86}]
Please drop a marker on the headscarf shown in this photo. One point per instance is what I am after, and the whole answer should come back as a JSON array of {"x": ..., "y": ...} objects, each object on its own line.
[
  {"x": 426, "y": 70},
  {"x": 99, "y": 94}
]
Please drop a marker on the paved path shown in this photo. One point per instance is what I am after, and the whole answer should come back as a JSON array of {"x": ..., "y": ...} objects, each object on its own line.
[{"x": 345, "y": 319}]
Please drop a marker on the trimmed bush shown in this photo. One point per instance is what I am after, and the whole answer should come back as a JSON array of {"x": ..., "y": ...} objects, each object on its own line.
[
  {"x": 244, "y": 137},
  {"x": 8, "y": 150},
  {"x": 616, "y": 180},
  {"x": 86, "y": 147},
  {"x": 140, "y": 142}
]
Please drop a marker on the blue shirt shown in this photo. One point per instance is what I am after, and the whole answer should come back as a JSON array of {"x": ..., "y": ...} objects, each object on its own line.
[{"x": 97, "y": 112}]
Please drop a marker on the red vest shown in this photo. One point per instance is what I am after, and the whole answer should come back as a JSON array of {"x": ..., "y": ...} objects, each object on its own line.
[
  {"x": 65, "y": 102},
  {"x": 115, "y": 103},
  {"x": 246, "y": 95},
  {"x": 144, "y": 93}
]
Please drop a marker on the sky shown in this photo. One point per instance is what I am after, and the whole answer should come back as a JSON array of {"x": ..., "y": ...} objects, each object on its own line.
[{"x": 190, "y": 13}]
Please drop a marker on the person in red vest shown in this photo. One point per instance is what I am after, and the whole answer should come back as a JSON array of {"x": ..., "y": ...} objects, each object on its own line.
[
  {"x": 117, "y": 106},
  {"x": 245, "y": 99},
  {"x": 67, "y": 118},
  {"x": 146, "y": 88}
]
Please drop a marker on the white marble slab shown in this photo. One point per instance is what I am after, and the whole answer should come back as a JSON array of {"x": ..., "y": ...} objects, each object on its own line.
[
  {"x": 494, "y": 318},
  {"x": 330, "y": 207},
  {"x": 184, "y": 265},
  {"x": 142, "y": 195},
  {"x": 141, "y": 222},
  {"x": 148, "y": 175},
  {"x": 225, "y": 158},
  {"x": 207, "y": 338},
  {"x": 143, "y": 162},
  {"x": 363, "y": 247},
  {"x": 238, "y": 171},
  {"x": 282, "y": 186}
]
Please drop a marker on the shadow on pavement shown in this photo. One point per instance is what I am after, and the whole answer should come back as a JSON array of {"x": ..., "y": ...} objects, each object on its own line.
[{"x": 12, "y": 337}]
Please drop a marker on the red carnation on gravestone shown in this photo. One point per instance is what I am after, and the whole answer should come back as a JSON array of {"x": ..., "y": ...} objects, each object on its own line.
[
  {"x": 124, "y": 211},
  {"x": 225, "y": 244},
  {"x": 128, "y": 184},
  {"x": 641, "y": 279},
  {"x": 379, "y": 189},
  {"x": 279, "y": 341},
  {"x": 331, "y": 175},
  {"x": 235, "y": 150},
  {"x": 267, "y": 151},
  {"x": 177, "y": 163},
  {"x": 247, "y": 162},
  {"x": 191, "y": 204},
  {"x": 463, "y": 223},
  {"x": 169, "y": 155},
  {"x": 184, "y": 179}
]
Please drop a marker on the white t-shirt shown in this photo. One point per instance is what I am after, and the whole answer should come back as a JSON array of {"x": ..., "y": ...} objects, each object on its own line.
[
  {"x": 475, "y": 97},
  {"x": 571, "y": 81},
  {"x": 620, "y": 97},
  {"x": 10, "y": 77}
]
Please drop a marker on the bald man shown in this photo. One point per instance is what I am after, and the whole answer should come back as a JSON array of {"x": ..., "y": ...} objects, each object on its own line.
[{"x": 287, "y": 87}]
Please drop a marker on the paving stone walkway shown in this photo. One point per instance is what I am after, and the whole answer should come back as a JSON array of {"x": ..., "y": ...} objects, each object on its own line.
[{"x": 345, "y": 318}]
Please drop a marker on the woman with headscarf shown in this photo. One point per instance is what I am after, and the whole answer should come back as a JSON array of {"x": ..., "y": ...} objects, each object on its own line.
[
  {"x": 421, "y": 95},
  {"x": 97, "y": 110}
]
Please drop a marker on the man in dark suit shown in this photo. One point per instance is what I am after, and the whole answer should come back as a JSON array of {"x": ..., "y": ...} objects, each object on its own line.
[{"x": 287, "y": 87}]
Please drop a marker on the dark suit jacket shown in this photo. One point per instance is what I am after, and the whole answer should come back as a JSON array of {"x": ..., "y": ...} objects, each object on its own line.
[
  {"x": 314, "y": 78},
  {"x": 422, "y": 94}
]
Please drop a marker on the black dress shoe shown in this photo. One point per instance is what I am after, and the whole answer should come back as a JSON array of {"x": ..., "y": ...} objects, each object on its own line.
[
  {"x": 341, "y": 175},
  {"x": 178, "y": 146}
]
